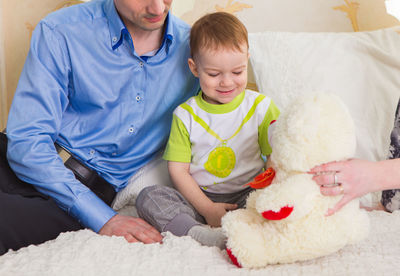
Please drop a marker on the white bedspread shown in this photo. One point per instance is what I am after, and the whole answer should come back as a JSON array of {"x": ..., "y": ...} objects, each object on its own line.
[{"x": 86, "y": 253}]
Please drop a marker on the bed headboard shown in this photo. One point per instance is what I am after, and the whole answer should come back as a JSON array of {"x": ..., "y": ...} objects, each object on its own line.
[
  {"x": 293, "y": 15},
  {"x": 18, "y": 18}
]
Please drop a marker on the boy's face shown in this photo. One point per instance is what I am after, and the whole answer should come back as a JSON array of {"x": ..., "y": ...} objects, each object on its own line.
[{"x": 222, "y": 73}]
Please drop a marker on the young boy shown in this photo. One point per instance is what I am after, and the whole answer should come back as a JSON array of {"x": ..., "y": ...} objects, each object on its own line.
[{"x": 217, "y": 138}]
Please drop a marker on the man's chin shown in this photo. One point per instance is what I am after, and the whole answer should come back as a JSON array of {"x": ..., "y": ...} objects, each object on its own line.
[
  {"x": 148, "y": 25},
  {"x": 152, "y": 27}
]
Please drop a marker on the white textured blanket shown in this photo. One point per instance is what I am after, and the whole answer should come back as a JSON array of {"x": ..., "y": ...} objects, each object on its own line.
[{"x": 86, "y": 253}]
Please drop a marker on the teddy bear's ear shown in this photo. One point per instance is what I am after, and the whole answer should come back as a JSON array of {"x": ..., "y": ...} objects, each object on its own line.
[
  {"x": 313, "y": 129},
  {"x": 295, "y": 128}
]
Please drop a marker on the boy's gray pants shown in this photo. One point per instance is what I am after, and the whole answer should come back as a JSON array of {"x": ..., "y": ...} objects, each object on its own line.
[{"x": 167, "y": 210}]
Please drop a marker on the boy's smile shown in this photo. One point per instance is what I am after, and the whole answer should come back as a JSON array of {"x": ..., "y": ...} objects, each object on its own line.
[{"x": 222, "y": 73}]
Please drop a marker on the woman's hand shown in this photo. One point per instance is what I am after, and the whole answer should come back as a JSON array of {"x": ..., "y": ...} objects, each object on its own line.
[{"x": 352, "y": 178}]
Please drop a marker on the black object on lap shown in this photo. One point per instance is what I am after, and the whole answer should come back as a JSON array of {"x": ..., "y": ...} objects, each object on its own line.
[{"x": 87, "y": 176}]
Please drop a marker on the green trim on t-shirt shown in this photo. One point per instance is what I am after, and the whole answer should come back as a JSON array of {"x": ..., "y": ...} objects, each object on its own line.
[
  {"x": 179, "y": 148},
  {"x": 219, "y": 108},
  {"x": 201, "y": 122},
  {"x": 271, "y": 115}
]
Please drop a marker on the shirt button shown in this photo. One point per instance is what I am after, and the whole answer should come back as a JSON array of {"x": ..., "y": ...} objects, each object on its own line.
[
  {"x": 114, "y": 39},
  {"x": 138, "y": 98},
  {"x": 131, "y": 129},
  {"x": 91, "y": 152},
  {"x": 141, "y": 64}
]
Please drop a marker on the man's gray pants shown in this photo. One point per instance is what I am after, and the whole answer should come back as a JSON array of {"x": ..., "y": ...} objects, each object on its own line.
[{"x": 167, "y": 210}]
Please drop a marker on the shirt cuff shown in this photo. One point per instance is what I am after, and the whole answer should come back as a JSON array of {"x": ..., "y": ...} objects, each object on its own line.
[{"x": 91, "y": 211}]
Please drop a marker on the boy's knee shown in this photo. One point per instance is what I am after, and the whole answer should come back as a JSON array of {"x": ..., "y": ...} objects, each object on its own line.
[
  {"x": 148, "y": 195},
  {"x": 154, "y": 191},
  {"x": 144, "y": 194},
  {"x": 152, "y": 198},
  {"x": 148, "y": 190}
]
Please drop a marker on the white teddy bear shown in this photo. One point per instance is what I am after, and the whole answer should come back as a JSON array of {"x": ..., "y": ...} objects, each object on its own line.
[{"x": 285, "y": 222}]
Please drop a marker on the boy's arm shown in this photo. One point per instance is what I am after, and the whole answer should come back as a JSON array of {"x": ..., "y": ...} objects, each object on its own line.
[
  {"x": 265, "y": 131},
  {"x": 268, "y": 163},
  {"x": 189, "y": 188}
]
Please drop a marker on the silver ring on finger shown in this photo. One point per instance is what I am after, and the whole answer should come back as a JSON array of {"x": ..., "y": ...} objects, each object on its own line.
[
  {"x": 335, "y": 181},
  {"x": 341, "y": 188}
]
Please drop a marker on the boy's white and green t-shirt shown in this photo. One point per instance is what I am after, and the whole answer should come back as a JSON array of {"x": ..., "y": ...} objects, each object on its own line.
[{"x": 222, "y": 143}]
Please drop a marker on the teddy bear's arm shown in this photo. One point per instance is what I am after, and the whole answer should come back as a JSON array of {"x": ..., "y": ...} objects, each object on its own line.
[{"x": 292, "y": 197}]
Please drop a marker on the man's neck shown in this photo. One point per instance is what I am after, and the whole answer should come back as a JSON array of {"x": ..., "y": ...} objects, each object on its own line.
[{"x": 146, "y": 41}]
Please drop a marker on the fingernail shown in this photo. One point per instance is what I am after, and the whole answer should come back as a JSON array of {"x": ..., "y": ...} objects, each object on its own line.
[{"x": 328, "y": 213}]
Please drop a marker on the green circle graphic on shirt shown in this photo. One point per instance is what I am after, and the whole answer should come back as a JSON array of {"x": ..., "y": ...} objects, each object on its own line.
[{"x": 221, "y": 161}]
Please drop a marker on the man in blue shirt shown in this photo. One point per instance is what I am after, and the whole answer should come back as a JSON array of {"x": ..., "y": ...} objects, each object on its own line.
[{"x": 100, "y": 83}]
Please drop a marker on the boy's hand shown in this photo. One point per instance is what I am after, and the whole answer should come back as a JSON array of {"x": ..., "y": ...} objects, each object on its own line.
[{"x": 216, "y": 212}]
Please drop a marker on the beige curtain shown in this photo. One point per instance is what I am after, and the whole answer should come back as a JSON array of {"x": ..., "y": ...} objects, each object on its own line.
[{"x": 17, "y": 20}]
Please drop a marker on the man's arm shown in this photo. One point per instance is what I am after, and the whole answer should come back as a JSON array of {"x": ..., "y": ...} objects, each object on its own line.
[{"x": 34, "y": 122}]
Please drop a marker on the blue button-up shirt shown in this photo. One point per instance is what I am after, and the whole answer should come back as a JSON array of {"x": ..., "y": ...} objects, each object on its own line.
[{"x": 84, "y": 86}]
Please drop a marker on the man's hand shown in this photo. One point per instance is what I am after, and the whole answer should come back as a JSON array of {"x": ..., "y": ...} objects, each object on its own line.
[{"x": 131, "y": 228}]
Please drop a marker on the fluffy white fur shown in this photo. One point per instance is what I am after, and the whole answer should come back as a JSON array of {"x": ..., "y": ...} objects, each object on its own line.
[
  {"x": 84, "y": 253},
  {"x": 315, "y": 129}
]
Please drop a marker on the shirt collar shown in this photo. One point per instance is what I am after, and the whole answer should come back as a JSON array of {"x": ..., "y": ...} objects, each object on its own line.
[
  {"x": 167, "y": 39},
  {"x": 118, "y": 30},
  {"x": 168, "y": 34},
  {"x": 219, "y": 108},
  {"x": 116, "y": 26}
]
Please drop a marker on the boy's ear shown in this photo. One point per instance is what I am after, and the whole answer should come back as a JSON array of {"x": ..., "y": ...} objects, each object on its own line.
[{"x": 193, "y": 67}]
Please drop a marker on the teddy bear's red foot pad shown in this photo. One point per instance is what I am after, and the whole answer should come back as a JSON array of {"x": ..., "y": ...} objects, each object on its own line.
[
  {"x": 233, "y": 258},
  {"x": 284, "y": 212}
]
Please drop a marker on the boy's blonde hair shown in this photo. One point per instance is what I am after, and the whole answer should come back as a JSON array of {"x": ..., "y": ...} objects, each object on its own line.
[{"x": 219, "y": 29}]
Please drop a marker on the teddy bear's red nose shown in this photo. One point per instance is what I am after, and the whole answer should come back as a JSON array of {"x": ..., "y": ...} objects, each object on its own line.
[{"x": 284, "y": 212}]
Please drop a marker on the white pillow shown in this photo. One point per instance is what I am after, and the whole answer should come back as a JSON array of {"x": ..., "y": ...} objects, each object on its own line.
[
  {"x": 153, "y": 173},
  {"x": 363, "y": 69}
]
